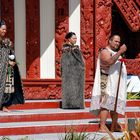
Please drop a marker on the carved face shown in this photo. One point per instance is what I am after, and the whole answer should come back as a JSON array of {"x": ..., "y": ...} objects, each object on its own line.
[
  {"x": 73, "y": 39},
  {"x": 3, "y": 30},
  {"x": 115, "y": 42}
]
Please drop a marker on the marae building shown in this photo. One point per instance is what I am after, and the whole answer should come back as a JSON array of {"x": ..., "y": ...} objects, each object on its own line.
[{"x": 38, "y": 27}]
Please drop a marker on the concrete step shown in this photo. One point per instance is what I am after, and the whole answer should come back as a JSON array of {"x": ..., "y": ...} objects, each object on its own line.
[
  {"x": 38, "y": 121},
  {"x": 43, "y": 104},
  {"x": 60, "y": 136},
  {"x": 48, "y": 118},
  {"x": 56, "y": 114},
  {"x": 22, "y": 128},
  {"x": 40, "y": 127}
]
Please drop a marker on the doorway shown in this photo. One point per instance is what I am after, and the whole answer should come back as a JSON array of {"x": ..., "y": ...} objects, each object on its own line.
[{"x": 131, "y": 39}]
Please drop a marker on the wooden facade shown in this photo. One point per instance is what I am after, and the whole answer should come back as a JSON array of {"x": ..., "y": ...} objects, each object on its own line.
[{"x": 98, "y": 21}]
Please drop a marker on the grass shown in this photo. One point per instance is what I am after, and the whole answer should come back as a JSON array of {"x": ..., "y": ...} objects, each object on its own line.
[
  {"x": 133, "y": 96},
  {"x": 24, "y": 138},
  {"x": 130, "y": 133},
  {"x": 72, "y": 134}
]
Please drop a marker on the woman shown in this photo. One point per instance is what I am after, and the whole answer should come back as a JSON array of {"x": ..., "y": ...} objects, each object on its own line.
[
  {"x": 72, "y": 66},
  {"x": 10, "y": 83}
]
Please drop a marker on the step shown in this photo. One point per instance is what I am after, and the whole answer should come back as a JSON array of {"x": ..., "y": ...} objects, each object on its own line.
[
  {"x": 46, "y": 127},
  {"x": 59, "y": 136},
  {"x": 40, "y": 127},
  {"x": 38, "y": 121},
  {"x": 56, "y": 114},
  {"x": 45, "y": 117},
  {"x": 42, "y": 104}
]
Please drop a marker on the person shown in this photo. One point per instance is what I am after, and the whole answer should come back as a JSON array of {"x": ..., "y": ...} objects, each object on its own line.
[
  {"x": 10, "y": 82},
  {"x": 73, "y": 79},
  {"x": 106, "y": 81}
]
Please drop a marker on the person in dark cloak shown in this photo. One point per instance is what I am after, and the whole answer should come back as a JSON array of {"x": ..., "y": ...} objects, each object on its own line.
[
  {"x": 11, "y": 91},
  {"x": 73, "y": 74}
]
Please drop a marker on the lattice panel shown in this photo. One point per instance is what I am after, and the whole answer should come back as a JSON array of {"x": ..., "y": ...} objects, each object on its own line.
[{"x": 130, "y": 12}]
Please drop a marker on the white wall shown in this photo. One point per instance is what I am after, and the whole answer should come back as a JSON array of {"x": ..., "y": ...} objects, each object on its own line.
[
  {"x": 20, "y": 35},
  {"x": 74, "y": 18},
  {"x": 47, "y": 39}
]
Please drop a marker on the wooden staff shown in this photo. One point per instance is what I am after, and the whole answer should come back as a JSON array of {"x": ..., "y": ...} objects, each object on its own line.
[{"x": 115, "y": 107}]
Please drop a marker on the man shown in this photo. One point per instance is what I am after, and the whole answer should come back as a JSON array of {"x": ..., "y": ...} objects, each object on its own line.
[{"x": 106, "y": 82}]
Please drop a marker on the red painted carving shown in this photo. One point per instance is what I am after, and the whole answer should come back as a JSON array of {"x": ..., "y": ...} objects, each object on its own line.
[
  {"x": 87, "y": 41},
  {"x": 32, "y": 39},
  {"x": 61, "y": 28},
  {"x": 42, "y": 89},
  {"x": 48, "y": 88},
  {"x": 130, "y": 12},
  {"x": 103, "y": 23},
  {"x": 7, "y": 14},
  {"x": 133, "y": 66},
  {"x": 87, "y": 16},
  {"x": 88, "y": 89}
]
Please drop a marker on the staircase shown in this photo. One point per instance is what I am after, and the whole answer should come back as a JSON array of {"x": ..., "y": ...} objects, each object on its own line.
[{"x": 47, "y": 118}]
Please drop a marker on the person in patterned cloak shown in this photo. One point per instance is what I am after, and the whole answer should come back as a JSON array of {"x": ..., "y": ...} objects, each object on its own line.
[
  {"x": 73, "y": 74},
  {"x": 106, "y": 82},
  {"x": 11, "y": 91}
]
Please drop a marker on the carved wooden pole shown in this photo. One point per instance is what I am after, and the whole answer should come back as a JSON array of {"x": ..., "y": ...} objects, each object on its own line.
[{"x": 115, "y": 106}]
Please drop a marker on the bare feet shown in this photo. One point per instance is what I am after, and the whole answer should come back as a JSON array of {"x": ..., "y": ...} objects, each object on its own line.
[
  {"x": 102, "y": 128},
  {"x": 102, "y": 131},
  {"x": 134, "y": 135},
  {"x": 4, "y": 109}
]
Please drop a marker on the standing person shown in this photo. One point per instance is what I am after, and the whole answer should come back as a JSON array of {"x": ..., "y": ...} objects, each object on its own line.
[
  {"x": 10, "y": 83},
  {"x": 73, "y": 79},
  {"x": 106, "y": 82}
]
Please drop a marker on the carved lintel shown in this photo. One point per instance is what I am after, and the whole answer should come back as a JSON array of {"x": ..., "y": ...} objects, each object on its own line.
[
  {"x": 130, "y": 12},
  {"x": 49, "y": 88}
]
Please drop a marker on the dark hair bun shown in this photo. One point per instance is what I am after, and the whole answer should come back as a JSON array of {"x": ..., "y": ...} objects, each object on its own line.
[{"x": 69, "y": 35}]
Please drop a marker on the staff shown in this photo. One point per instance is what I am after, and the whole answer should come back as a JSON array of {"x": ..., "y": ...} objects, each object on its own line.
[{"x": 115, "y": 107}]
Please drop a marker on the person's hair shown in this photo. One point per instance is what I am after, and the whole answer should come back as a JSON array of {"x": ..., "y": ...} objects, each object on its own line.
[
  {"x": 2, "y": 22},
  {"x": 69, "y": 35},
  {"x": 112, "y": 37}
]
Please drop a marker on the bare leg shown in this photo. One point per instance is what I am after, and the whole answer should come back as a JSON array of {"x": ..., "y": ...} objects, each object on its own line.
[
  {"x": 114, "y": 117},
  {"x": 103, "y": 118}
]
